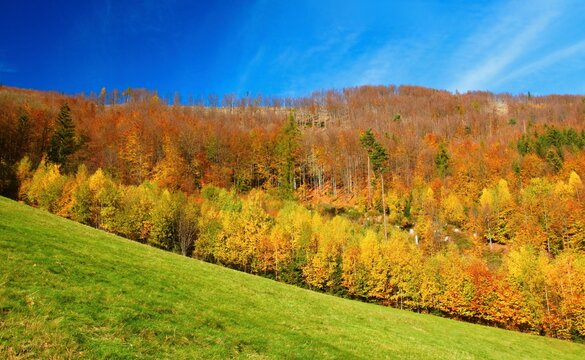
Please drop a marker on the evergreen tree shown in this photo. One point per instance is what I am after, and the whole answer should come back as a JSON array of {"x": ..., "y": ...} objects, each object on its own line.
[
  {"x": 442, "y": 161},
  {"x": 63, "y": 142},
  {"x": 378, "y": 158},
  {"x": 554, "y": 159},
  {"x": 376, "y": 152},
  {"x": 287, "y": 150}
]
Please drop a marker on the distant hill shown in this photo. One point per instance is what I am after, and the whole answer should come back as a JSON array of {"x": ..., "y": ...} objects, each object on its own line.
[{"x": 70, "y": 291}]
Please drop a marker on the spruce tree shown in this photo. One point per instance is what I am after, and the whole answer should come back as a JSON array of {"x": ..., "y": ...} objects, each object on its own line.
[
  {"x": 287, "y": 152},
  {"x": 376, "y": 152},
  {"x": 63, "y": 142},
  {"x": 442, "y": 161},
  {"x": 378, "y": 157}
]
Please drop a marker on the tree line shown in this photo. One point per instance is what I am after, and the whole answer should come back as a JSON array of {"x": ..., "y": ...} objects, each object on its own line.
[{"x": 522, "y": 288}]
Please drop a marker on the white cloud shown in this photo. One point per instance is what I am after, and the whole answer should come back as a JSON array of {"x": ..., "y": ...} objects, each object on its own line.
[
  {"x": 375, "y": 67},
  {"x": 320, "y": 66},
  {"x": 551, "y": 59},
  {"x": 507, "y": 41},
  {"x": 515, "y": 31}
]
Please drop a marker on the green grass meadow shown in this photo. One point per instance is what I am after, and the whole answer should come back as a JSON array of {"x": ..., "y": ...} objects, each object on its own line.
[{"x": 70, "y": 291}]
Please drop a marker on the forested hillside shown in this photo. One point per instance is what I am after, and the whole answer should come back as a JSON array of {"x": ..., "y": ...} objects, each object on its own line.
[
  {"x": 69, "y": 291},
  {"x": 466, "y": 205}
]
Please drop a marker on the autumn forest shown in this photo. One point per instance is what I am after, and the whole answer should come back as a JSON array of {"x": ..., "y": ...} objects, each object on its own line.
[{"x": 464, "y": 205}]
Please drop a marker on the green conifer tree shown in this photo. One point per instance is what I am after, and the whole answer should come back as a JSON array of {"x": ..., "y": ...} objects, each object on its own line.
[
  {"x": 63, "y": 142},
  {"x": 442, "y": 161},
  {"x": 287, "y": 151},
  {"x": 378, "y": 158}
]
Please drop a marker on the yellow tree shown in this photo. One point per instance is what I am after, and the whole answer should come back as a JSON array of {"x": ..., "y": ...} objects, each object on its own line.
[
  {"x": 567, "y": 228},
  {"x": 494, "y": 205},
  {"x": 369, "y": 259},
  {"x": 241, "y": 234},
  {"x": 171, "y": 171},
  {"x": 526, "y": 271},
  {"x": 24, "y": 175},
  {"x": 566, "y": 280},
  {"x": 46, "y": 186},
  {"x": 538, "y": 201},
  {"x": 281, "y": 246},
  {"x": 81, "y": 209},
  {"x": 187, "y": 231},
  {"x": 424, "y": 211},
  {"x": 136, "y": 156},
  {"x": 163, "y": 233},
  {"x": 134, "y": 216},
  {"x": 323, "y": 270},
  {"x": 104, "y": 194},
  {"x": 216, "y": 210},
  {"x": 405, "y": 263},
  {"x": 292, "y": 241},
  {"x": 452, "y": 210},
  {"x": 457, "y": 289},
  {"x": 430, "y": 283}
]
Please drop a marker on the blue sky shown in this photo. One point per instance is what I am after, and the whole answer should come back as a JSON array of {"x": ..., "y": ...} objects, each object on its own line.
[{"x": 291, "y": 48}]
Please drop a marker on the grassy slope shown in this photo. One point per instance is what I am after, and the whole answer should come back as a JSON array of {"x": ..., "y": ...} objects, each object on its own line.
[{"x": 69, "y": 290}]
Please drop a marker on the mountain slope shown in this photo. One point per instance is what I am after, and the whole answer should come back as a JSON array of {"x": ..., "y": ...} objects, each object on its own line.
[{"x": 68, "y": 290}]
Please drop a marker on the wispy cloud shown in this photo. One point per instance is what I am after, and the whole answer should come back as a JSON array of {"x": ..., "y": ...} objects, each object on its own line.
[
  {"x": 375, "y": 66},
  {"x": 465, "y": 47},
  {"x": 4, "y": 68},
  {"x": 251, "y": 66},
  {"x": 301, "y": 68},
  {"x": 395, "y": 62},
  {"x": 331, "y": 58},
  {"x": 514, "y": 32},
  {"x": 551, "y": 59}
]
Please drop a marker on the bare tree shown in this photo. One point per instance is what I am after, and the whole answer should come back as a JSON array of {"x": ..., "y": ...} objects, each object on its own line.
[{"x": 187, "y": 230}]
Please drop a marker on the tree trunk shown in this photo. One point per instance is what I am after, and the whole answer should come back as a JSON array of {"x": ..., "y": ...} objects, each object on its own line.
[
  {"x": 490, "y": 233},
  {"x": 369, "y": 186},
  {"x": 384, "y": 208}
]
